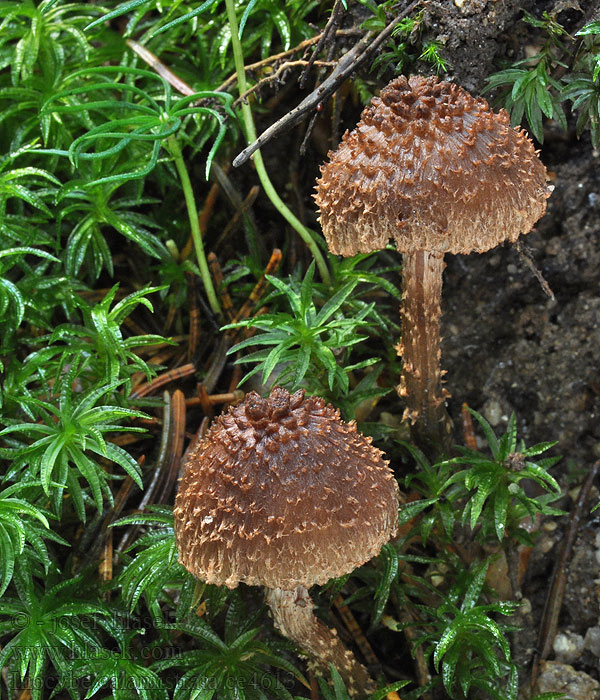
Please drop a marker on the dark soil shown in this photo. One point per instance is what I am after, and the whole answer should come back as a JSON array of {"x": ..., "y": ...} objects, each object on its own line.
[{"x": 509, "y": 348}]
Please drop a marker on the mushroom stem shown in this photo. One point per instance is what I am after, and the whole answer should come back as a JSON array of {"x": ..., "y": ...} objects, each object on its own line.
[
  {"x": 421, "y": 383},
  {"x": 294, "y": 618}
]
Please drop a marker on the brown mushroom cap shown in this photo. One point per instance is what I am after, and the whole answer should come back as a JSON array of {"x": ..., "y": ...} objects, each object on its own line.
[
  {"x": 281, "y": 492},
  {"x": 433, "y": 168}
]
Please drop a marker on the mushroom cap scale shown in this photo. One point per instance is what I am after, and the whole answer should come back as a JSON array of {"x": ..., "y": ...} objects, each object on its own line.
[
  {"x": 281, "y": 492},
  {"x": 432, "y": 168}
]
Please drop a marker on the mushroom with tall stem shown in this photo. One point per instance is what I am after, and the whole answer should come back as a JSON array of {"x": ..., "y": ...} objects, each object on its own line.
[{"x": 437, "y": 171}]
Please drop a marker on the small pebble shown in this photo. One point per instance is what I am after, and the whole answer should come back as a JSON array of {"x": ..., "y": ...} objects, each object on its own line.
[
  {"x": 556, "y": 677},
  {"x": 545, "y": 544},
  {"x": 592, "y": 640},
  {"x": 525, "y": 608},
  {"x": 568, "y": 646},
  {"x": 493, "y": 411}
]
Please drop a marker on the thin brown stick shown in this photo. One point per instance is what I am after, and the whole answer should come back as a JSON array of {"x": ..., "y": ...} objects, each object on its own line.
[
  {"x": 259, "y": 288},
  {"x": 219, "y": 358},
  {"x": 331, "y": 25},
  {"x": 468, "y": 431},
  {"x": 161, "y": 358},
  {"x": 363, "y": 50},
  {"x": 157, "y": 65},
  {"x": 357, "y": 634},
  {"x": 105, "y": 567},
  {"x": 25, "y": 693},
  {"x": 171, "y": 313},
  {"x": 527, "y": 257},
  {"x": 236, "y": 377},
  {"x": 217, "y": 273},
  {"x": 275, "y": 77},
  {"x": 244, "y": 207},
  {"x": 314, "y": 686},
  {"x": 560, "y": 574},
  {"x": 205, "y": 214},
  {"x": 215, "y": 399},
  {"x": 207, "y": 406},
  {"x": 134, "y": 327},
  {"x": 194, "y": 335},
  {"x": 181, "y": 86},
  {"x": 120, "y": 501},
  {"x": 303, "y": 45},
  {"x": 217, "y": 365},
  {"x": 158, "y": 475},
  {"x": 200, "y": 433},
  {"x": 176, "y": 438},
  {"x": 163, "y": 379}
]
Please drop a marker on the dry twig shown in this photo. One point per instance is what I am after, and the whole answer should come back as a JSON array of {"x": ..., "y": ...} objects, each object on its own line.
[
  {"x": 363, "y": 50},
  {"x": 163, "y": 379},
  {"x": 560, "y": 574}
]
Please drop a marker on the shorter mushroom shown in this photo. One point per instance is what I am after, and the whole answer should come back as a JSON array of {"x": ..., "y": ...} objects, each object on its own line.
[{"x": 282, "y": 493}]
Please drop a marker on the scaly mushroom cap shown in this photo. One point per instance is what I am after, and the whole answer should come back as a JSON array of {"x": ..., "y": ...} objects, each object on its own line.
[
  {"x": 281, "y": 492},
  {"x": 433, "y": 168}
]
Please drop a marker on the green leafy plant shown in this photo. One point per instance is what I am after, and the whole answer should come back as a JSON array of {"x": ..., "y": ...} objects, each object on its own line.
[
  {"x": 402, "y": 49},
  {"x": 268, "y": 15},
  {"x": 47, "y": 626},
  {"x": 35, "y": 37},
  {"x": 590, "y": 33},
  {"x": 112, "y": 356},
  {"x": 530, "y": 87},
  {"x": 431, "y": 481},
  {"x": 13, "y": 303},
  {"x": 380, "y": 581},
  {"x": 231, "y": 668},
  {"x": 533, "y": 91},
  {"x": 56, "y": 448},
  {"x": 467, "y": 646},
  {"x": 337, "y": 689},
  {"x": 432, "y": 54},
  {"x": 582, "y": 87},
  {"x": 146, "y": 116},
  {"x": 34, "y": 194},
  {"x": 22, "y": 525},
  {"x": 124, "y": 671},
  {"x": 97, "y": 212},
  {"x": 496, "y": 501},
  {"x": 492, "y": 500},
  {"x": 305, "y": 338},
  {"x": 155, "y": 566}
]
